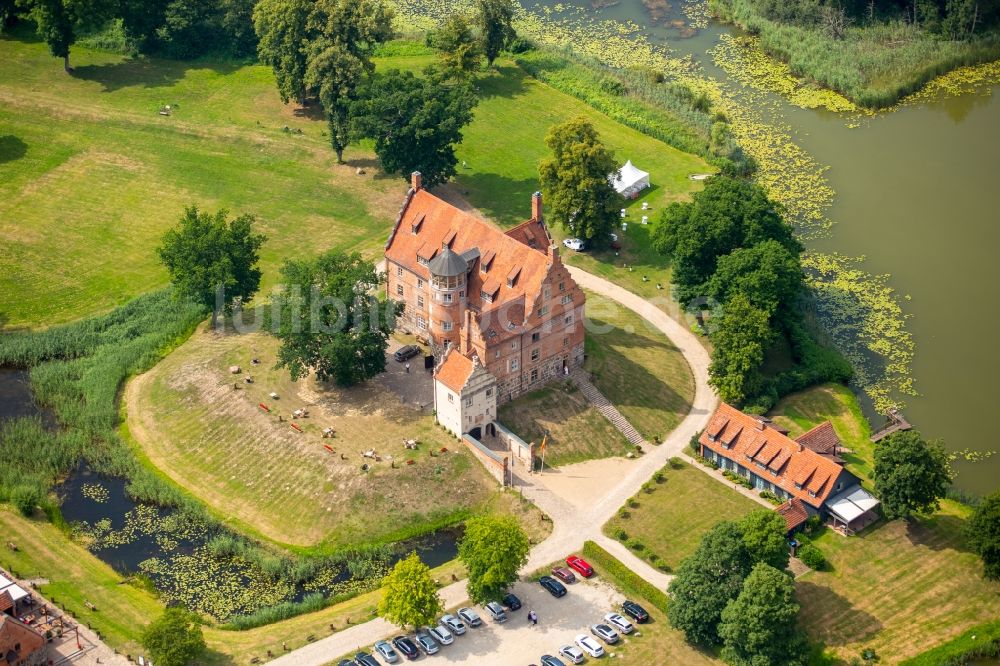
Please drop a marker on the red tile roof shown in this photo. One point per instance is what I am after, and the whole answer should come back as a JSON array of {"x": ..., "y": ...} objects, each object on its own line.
[
  {"x": 753, "y": 443},
  {"x": 455, "y": 370},
  {"x": 6, "y": 603},
  {"x": 794, "y": 512},
  {"x": 821, "y": 439}
]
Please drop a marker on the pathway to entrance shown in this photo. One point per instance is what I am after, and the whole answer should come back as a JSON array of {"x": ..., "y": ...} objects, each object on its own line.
[{"x": 568, "y": 495}]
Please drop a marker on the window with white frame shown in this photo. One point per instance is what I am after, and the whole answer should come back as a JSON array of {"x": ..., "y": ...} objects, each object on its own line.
[
  {"x": 399, "y": 271},
  {"x": 445, "y": 325},
  {"x": 420, "y": 301},
  {"x": 399, "y": 290},
  {"x": 421, "y": 323},
  {"x": 446, "y": 298},
  {"x": 513, "y": 364},
  {"x": 420, "y": 283},
  {"x": 534, "y": 354}
]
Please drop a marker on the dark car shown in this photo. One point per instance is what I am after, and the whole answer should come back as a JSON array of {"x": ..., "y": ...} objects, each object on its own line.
[
  {"x": 554, "y": 587},
  {"x": 564, "y": 574},
  {"x": 510, "y": 602},
  {"x": 406, "y": 646},
  {"x": 635, "y": 611},
  {"x": 549, "y": 660},
  {"x": 365, "y": 659},
  {"x": 345, "y": 662},
  {"x": 406, "y": 353}
]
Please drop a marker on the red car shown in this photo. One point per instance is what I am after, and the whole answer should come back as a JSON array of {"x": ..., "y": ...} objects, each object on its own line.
[
  {"x": 563, "y": 574},
  {"x": 580, "y": 565}
]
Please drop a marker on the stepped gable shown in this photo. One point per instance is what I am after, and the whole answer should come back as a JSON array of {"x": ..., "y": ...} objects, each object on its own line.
[{"x": 754, "y": 443}]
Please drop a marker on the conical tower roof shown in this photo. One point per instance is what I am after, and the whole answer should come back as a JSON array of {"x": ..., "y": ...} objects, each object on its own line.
[{"x": 447, "y": 264}]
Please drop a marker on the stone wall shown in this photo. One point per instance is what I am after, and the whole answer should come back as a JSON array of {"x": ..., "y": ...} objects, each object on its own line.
[
  {"x": 494, "y": 463},
  {"x": 522, "y": 454}
]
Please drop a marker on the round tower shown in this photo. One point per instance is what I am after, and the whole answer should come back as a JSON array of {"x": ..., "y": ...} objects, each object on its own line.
[{"x": 447, "y": 305}]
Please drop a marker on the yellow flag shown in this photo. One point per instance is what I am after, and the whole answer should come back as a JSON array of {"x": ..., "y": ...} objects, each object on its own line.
[{"x": 541, "y": 448}]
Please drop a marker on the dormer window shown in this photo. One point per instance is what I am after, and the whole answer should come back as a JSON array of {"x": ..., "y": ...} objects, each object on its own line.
[
  {"x": 421, "y": 261},
  {"x": 417, "y": 223},
  {"x": 798, "y": 486},
  {"x": 487, "y": 261},
  {"x": 449, "y": 239},
  {"x": 486, "y": 297},
  {"x": 513, "y": 275}
]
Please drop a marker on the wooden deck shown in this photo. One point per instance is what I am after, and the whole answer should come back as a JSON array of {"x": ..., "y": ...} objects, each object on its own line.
[{"x": 897, "y": 423}]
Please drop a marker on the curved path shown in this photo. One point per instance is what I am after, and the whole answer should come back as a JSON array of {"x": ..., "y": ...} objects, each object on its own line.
[{"x": 567, "y": 496}]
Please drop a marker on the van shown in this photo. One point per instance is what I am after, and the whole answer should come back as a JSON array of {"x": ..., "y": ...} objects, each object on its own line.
[{"x": 497, "y": 612}]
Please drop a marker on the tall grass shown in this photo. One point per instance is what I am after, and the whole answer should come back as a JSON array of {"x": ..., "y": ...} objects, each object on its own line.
[
  {"x": 875, "y": 65},
  {"x": 309, "y": 604}
]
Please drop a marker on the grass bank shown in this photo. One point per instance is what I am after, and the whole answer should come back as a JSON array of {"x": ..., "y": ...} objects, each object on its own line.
[{"x": 875, "y": 64}]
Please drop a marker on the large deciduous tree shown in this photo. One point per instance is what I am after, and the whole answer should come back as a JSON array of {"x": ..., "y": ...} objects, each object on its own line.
[
  {"x": 212, "y": 260},
  {"x": 741, "y": 338},
  {"x": 758, "y": 627},
  {"x": 495, "y": 19},
  {"x": 910, "y": 474},
  {"x": 59, "y": 21},
  {"x": 335, "y": 73},
  {"x": 283, "y": 43},
  {"x": 983, "y": 532},
  {"x": 175, "y": 638},
  {"x": 575, "y": 180},
  {"x": 415, "y": 122},
  {"x": 493, "y": 550},
  {"x": 764, "y": 535},
  {"x": 460, "y": 52},
  {"x": 409, "y": 595},
  {"x": 768, "y": 273},
  {"x": 330, "y": 320},
  {"x": 707, "y": 581}
]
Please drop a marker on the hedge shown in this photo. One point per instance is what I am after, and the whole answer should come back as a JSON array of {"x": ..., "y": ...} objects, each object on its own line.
[
  {"x": 974, "y": 643},
  {"x": 623, "y": 577}
]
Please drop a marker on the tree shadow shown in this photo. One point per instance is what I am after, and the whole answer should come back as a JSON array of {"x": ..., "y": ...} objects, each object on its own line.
[
  {"x": 12, "y": 148},
  {"x": 309, "y": 112},
  {"x": 147, "y": 72},
  {"x": 938, "y": 532},
  {"x": 505, "y": 81},
  {"x": 505, "y": 200},
  {"x": 833, "y": 619}
]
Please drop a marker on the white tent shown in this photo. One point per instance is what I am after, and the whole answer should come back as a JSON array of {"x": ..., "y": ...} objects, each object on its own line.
[{"x": 629, "y": 180}]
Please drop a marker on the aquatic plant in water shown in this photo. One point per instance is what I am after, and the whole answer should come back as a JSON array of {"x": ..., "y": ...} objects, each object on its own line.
[{"x": 95, "y": 492}]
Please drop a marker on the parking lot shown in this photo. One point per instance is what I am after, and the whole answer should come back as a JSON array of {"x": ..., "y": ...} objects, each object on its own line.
[{"x": 518, "y": 642}]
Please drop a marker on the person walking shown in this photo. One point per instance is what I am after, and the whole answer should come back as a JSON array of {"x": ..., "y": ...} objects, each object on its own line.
[{"x": 407, "y": 368}]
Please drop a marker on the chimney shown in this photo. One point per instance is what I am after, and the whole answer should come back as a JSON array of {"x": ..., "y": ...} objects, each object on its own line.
[
  {"x": 761, "y": 424},
  {"x": 416, "y": 180},
  {"x": 536, "y": 206}
]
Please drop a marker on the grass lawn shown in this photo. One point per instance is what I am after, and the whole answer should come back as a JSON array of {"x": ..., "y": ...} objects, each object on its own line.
[
  {"x": 671, "y": 520},
  {"x": 835, "y": 403},
  {"x": 576, "y": 430},
  {"x": 249, "y": 467},
  {"x": 637, "y": 368}
]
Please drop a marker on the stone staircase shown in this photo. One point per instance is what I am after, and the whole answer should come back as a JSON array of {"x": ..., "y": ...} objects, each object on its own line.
[{"x": 596, "y": 398}]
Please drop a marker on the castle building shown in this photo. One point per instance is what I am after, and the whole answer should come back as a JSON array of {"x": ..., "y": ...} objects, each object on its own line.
[{"x": 503, "y": 300}]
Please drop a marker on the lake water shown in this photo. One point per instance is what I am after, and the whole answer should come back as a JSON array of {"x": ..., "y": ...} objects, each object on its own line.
[{"x": 917, "y": 194}]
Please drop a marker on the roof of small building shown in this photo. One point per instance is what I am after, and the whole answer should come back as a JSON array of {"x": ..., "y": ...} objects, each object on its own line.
[
  {"x": 752, "y": 442},
  {"x": 821, "y": 439},
  {"x": 448, "y": 264},
  {"x": 794, "y": 512},
  {"x": 455, "y": 370}
]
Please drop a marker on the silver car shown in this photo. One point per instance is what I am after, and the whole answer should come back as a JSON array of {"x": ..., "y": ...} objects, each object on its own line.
[
  {"x": 619, "y": 623},
  {"x": 573, "y": 653},
  {"x": 385, "y": 650},
  {"x": 497, "y": 612},
  {"x": 441, "y": 634},
  {"x": 605, "y": 633},
  {"x": 470, "y": 617},
  {"x": 426, "y": 643},
  {"x": 454, "y": 625}
]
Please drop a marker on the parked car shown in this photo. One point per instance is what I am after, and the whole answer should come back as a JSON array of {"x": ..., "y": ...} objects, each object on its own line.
[
  {"x": 454, "y": 625},
  {"x": 426, "y": 643},
  {"x": 470, "y": 617},
  {"x": 554, "y": 587},
  {"x": 510, "y": 602},
  {"x": 384, "y": 650},
  {"x": 496, "y": 612},
  {"x": 406, "y": 646},
  {"x": 406, "y": 353},
  {"x": 549, "y": 660},
  {"x": 346, "y": 662},
  {"x": 605, "y": 633},
  {"x": 635, "y": 611},
  {"x": 574, "y": 244},
  {"x": 572, "y": 653},
  {"x": 619, "y": 623},
  {"x": 365, "y": 659},
  {"x": 564, "y": 574},
  {"x": 580, "y": 565},
  {"x": 589, "y": 645},
  {"x": 441, "y": 634}
]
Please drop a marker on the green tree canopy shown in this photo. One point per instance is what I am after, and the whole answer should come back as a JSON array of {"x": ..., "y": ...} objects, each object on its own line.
[
  {"x": 910, "y": 474},
  {"x": 415, "y": 122},
  {"x": 728, "y": 214},
  {"x": 707, "y": 581},
  {"x": 764, "y": 535},
  {"x": 329, "y": 319},
  {"x": 211, "y": 260},
  {"x": 174, "y": 639},
  {"x": 495, "y": 19},
  {"x": 282, "y": 31},
  {"x": 758, "y": 627},
  {"x": 460, "y": 51},
  {"x": 768, "y": 273},
  {"x": 493, "y": 550},
  {"x": 60, "y": 21},
  {"x": 409, "y": 595},
  {"x": 983, "y": 531},
  {"x": 336, "y": 73},
  {"x": 575, "y": 180},
  {"x": 741, "y": 338}
]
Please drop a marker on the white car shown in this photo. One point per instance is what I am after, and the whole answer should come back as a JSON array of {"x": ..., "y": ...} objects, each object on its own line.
[
  {"x": 441, "y": 634},
  {"x": 589, "y": 645},
  {"x": 619, "y": 623},
  {"x": 614, "y": 237},
  {"x": 574, "y": 244},
  {"x": 454, "y": 625},
  {"x": 572, "y": 653}
]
